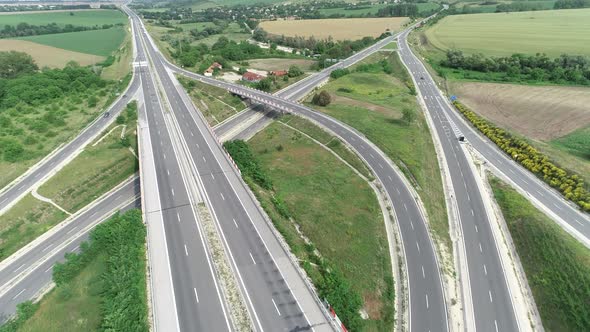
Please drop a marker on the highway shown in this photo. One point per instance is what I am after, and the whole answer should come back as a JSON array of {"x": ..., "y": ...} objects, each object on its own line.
[
  {"x": 24, "y": 277},
  {"x": 198, "y": 301},
  {"x": 427, "y": 303},
  {"x": 492, "y": 304},
  {"x": 274, "y": 292}
]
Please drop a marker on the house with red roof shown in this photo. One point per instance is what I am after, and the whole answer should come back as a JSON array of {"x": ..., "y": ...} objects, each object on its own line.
[{"x": 252, "y": 77}]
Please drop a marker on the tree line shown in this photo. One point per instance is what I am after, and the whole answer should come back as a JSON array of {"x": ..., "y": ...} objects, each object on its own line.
[
  {"x": 399, "y": 10},
  {"x": 568, "y": 183},
  {"x": 521, "y": 67},
  {"x": 571, "y": 4},
  {"x": 24, "y": 29},
  {"x": 323, "y": 49}
]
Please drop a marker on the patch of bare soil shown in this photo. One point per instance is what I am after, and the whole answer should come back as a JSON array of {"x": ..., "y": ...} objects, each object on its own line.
[{"x": 538, "y": 112}]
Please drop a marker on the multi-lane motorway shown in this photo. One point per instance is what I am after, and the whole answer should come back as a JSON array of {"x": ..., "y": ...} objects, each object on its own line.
[
  {"x": 490, "y": 295},
  {"x": 198, "y": 302}
]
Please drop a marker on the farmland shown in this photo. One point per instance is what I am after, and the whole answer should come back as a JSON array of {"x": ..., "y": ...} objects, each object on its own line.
[
  {"x": 371, "y": 10},
  {"x": 48, "y": 56},
  {"x": 553, "y": 32},
  {"x": 538, "y": 112},
  {"x": 97, "y": 42},
  {"x": 77, "y": 18},
  {"x": 553, "y": 118},
  {"x": 338, "y": 29}
]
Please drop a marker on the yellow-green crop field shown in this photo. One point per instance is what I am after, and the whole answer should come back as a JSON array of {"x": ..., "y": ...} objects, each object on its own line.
[{"x": 553, "y": 32}]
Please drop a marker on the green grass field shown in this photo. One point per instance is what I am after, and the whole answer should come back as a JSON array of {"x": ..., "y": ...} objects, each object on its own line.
[
  {"x": 576, "y": 143},
  {"x": 333, "y": 207},
  {"x": 557, "y": 266},
  {"x": 94, "y": 171},
  {"x": 79, "y": 18},
  {"x": 553, "y": 32},
  {"x": 97, "y": 42},
  {"x": 74, "y": 306},
  {"x": 422, "y": 7},
  {"x": 25, "y": 221}
]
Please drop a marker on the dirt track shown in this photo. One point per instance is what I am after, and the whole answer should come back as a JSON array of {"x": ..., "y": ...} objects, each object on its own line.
[{"x": 538, "y": 112}]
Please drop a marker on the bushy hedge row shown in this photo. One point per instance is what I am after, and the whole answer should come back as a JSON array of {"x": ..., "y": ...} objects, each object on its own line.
[
  {"x": 570, "y": 185},
  {"x": 249, "y": 166},
  {"x": 124, "y": 300}
]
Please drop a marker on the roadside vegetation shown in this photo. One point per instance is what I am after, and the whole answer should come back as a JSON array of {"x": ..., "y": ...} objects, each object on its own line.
[
  {"x": 329, "y": 217},
  {"x": 377, "y": 98},
  {"x": 557, "y": 266},
  {"x": 215, "y": 103},
  {"x": 103, "y": 288},
  {"x": 24, "y": 222},
  {"x": 93, "y": 172},
  {"x": 331, "y": 142},
  {"x": 99, "y": 167},
  {"x": 39, "y": 110},
  {"x": 570, "y": 185}
]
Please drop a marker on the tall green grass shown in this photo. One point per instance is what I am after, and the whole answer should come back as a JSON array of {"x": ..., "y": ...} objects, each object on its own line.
[{"x": 557, "y": 266}]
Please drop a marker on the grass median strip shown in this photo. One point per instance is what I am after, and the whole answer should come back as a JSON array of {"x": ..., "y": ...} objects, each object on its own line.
[
  {"x": 101, "y": 288},
  {"x": 557, "y": 266},
  {"x": 330, "y": 218}
]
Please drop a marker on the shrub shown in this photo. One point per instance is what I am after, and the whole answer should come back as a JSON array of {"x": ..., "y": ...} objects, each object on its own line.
[
  {"x": 12, "y": 150},
  {"x": 321, "y": 99},
  {"x": 569, "y": 184},
  {"x": 247, "y": 163},
  {"x": 337, "y": 73},
  {"x": 295, "y": 71},
  {"x": 120, "y": 119}
]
